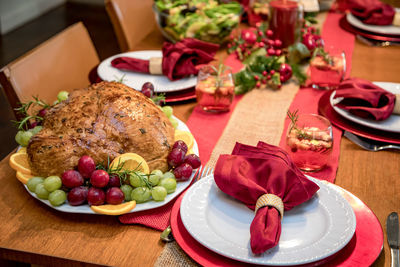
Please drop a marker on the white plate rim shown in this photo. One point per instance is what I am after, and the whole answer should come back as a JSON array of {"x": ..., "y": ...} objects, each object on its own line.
[
  {"x": 380, "y": 29},
  {"x": 384, "y": 125},
  {"x": 85, "y": 209},
  {"x": 195, "y": 228},
  {"x": 135, "y": 80}
]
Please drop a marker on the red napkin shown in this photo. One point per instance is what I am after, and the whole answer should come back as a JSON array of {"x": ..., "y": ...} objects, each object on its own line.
[
  {"x": 179, "y": 60},
  {"x": 372, "y": 11},
  {"x": 365, "y": 99},
  {"x": 251, "y": 172}
]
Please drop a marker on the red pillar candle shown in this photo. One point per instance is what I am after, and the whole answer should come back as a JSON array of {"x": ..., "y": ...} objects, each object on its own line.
[{"x": 284, "y": 20}]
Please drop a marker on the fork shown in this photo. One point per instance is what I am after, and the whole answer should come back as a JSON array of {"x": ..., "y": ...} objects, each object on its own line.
[
  {"x": 166, "y": 235},
  {"x": 369, "y": 144}
]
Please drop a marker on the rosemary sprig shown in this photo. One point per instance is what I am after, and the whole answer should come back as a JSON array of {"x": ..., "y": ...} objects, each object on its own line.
[
  {"x": 124, "y": 174},
  {"x": 293, "y": 116},
  {"x": 158, "y": 99},
  {"x": 23, "y": 111},
  {"x": 320, "y": 51},
  {"x": 120, "y": 79}
]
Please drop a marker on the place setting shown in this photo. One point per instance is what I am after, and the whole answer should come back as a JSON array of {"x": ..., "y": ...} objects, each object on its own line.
[{"x": 372, "y": 20}]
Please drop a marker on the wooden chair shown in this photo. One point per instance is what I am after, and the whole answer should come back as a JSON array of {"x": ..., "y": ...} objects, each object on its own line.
[
  {"x": 134, "y": 21},
  {"x": 61, "y": 63}
]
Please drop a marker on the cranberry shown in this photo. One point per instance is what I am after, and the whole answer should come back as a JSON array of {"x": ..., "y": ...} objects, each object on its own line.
[
  {"x": 249, "y": 36},
  {"x": 277, "y": 43},
  {"x": 285, "y": 71},
  {"x": 270, "y": 33},
  {"x": 309, "y": 42},
  {"x": 271, "y": 51}
]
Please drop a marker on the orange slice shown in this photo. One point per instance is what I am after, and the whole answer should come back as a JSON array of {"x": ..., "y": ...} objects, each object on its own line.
[
  {"x": 115, "y": 209},
  {"x": 132, "y": 162},
  {"x": 23, "y": 178},
  {"x": 22, "y": 150},
  {"x": 19, "y": 162},
  {"x": 186, "y": 137}
]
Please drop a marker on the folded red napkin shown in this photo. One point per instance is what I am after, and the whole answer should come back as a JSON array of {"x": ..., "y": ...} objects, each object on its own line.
[
  {"x": 179, "y": 60},
  {"x": 250, "y": 173},
  {"x": 372, "y": 11},
  {"x": 365, "y": 99}
]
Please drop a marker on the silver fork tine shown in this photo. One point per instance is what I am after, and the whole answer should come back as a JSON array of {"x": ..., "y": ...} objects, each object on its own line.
[{"x": 198, "y": 174}]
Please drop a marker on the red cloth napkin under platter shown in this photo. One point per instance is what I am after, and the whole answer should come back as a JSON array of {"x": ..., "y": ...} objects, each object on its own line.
[
  {"x": 251, "y": 172},
  {"x": 365, "y": 99},
  {"x": 372, "y": 11},
  {"x": 179, "y": 60}
]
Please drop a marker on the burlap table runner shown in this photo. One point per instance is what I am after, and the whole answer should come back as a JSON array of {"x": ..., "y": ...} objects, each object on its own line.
[{"x": 259, "y": 116}]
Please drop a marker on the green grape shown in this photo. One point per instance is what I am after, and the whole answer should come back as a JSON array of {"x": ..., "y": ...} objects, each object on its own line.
[
  {"x": 169, "y": 175},
  {"x": 138, "y": 179},
  {"x": 169, "y": 184},
  {"x": 23, "y": 137},
  {"x": 155, "y": 177},
  {"x": 167, "y": 111},
  {"x": 159, "y": 193},
  {"x": 36, "y": 130},
  {"x": 127, "y": 190},
  {"x": 141, "y": 194},
  {"x": 62, "y": 95},
  {"x": 173, "y": 122},
  {"x": 52, "y": 183},
  {"x": 57, "y": 197},
  {"x": 33, "y": 182},
  {"x": 41, "y": 192}
]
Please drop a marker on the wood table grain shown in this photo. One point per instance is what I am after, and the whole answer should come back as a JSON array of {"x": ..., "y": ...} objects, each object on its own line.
[{"x": 31, "y": 232}]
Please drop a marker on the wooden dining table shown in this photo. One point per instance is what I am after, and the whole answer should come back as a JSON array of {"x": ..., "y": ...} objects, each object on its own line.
[{"x": 32, "y": 232}]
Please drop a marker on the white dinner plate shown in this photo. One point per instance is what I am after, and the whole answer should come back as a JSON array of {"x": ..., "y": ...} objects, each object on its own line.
[
  {"x": 136, "y": 79},
  {"x": 391, "y": 124},
  {"x": 139, "y": 207},
  {"x": 380, "y": 29},
  {"x": 311, "y": 231}
]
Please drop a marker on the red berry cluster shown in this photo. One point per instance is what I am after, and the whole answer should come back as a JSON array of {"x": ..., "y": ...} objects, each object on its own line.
[
  {"x": 252, "y": 39},
  {"x": 182, "y": 164},
  {"x": 311, "y": 38},
  {"x": 104, "y": 187}
]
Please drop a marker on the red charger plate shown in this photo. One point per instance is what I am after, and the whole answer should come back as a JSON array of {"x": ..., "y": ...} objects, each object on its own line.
[
  {"x": 362, "y": 250},
  {"x": 325, "y": 109},
  {"x": 379, "y": 37}
]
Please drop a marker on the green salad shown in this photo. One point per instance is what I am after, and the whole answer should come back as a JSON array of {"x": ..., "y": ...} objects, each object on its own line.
[{"x": 207, "y": 20}]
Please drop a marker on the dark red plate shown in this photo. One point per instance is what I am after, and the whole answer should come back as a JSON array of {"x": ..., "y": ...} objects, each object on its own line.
[
  {"x": 362, "y": 250},
  {"x": 379, "y": 37},
  {"x": 325, "y": 109}
]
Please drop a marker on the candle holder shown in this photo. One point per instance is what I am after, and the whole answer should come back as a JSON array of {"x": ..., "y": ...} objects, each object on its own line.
[
  {"x": 285, "y": 20},
  {"x": 215, "y": 88}
]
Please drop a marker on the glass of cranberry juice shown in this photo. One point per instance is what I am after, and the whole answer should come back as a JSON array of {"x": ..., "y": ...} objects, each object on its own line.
[
  {"x": 215, "y": 88},
  {"x": 327, "y": 72},
  {"x": 309, "y": 142}
]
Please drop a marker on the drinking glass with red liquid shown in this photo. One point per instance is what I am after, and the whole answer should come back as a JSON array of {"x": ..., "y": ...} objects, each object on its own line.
[
  {"x": 327, "y": 68},
  {"x": 215, "y": 88},
  {"x": 309, "y": 141},
  {"x": 258, "y": 11}
]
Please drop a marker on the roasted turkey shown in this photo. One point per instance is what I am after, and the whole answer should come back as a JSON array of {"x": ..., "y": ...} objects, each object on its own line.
[{"x": 103, "y": 121}]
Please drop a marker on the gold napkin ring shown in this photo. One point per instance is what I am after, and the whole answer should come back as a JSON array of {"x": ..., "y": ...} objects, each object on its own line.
[
  {"x": 272, "y": 201},
  {"x": 155, "y": 65},
  {"x": 396, "y": 109}
]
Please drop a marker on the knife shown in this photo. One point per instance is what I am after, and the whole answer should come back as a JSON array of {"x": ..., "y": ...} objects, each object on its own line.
[{"x": 392, "y": 230}]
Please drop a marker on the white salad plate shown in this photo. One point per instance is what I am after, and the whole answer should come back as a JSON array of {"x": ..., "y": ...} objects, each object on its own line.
[
  {"x": 311, "y": 231},
  {"x": 136, "y": 79},
  {"x": 180, "y": 186},
  {"x": 391, "y": 124},
  {"x": 380, "y": 29}
]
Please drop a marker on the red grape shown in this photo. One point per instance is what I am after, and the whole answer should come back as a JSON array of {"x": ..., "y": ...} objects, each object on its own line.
[
  {"x": 42, "y": 112},
  {"x": 99, "y": 178},
  {"x": 71, "y": 179},
  {"x": 180, "y": 145},
  {"x": 183, "y": 172},
  {"x": 114, "y": 196},
  {"x": 77, "y": 195},
  {"x": 175, "y": 157},
  {"x": 193, "y": 160},
  {"x": 114, "y": 181},
  {"x": 96, "y": 196},
  {"x": 33, "y": 124},
  {"x": 148, "y": 89},
  {"x": 86, "y": 166}
]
